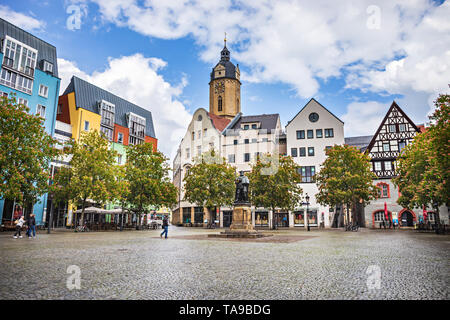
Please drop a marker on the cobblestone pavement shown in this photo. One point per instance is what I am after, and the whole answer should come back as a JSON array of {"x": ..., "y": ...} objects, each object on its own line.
[{"x": 136, "y": 265}]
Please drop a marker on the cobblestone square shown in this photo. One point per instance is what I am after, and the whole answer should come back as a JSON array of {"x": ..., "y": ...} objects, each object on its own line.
[{"x": 332, "y": 264}]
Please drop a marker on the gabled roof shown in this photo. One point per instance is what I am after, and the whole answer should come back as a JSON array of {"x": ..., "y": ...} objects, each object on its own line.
[
  {"x": 393, "y": 105},
  {"x": 312, "y": 99},
  {"x": 46, "y": 51},
  {"x": 88, "y": 95},
  {"x": 360, "y": 142},
  {"x": 219, "y": 123},
  {"x": 267, "y": 121}
]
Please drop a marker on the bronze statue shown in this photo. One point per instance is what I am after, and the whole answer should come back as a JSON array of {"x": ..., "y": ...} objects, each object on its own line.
[{"x": 242, "y": 183}]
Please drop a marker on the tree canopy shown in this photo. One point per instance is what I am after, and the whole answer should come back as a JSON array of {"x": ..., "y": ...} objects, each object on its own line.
[
  {"x": 26, "y": 151},
  {"x": 345, "y": 177},
  {"x": 274, "y": 182},
  {"x": 210, "y": 181},
  {"x": 423, "y": 166}
]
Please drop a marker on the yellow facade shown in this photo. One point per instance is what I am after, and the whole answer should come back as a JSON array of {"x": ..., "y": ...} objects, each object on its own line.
[{"x": 78, "y": 117}]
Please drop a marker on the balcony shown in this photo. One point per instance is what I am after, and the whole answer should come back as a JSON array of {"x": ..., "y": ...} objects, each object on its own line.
[
  {"x": 8, "y": 62},
  {"x": 26, "y": 71}
]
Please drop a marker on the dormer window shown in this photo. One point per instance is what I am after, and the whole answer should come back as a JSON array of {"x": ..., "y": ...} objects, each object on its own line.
[
  {"x": 136, "y": 124},
  {"x": 47, "y": 66},
  {"x": 107, "y": 113}
]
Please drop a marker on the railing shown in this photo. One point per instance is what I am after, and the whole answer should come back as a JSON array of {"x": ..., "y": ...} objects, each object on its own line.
[
  {"x": 8, "y": 62},
  {"x": 29, "y": 71}
]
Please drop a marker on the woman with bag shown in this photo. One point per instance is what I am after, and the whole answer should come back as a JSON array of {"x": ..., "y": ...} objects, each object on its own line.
[{"x": 19, "y": 224}]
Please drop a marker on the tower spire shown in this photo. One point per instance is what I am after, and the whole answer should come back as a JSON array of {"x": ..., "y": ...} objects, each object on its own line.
[{"x": 225, "y": 40}]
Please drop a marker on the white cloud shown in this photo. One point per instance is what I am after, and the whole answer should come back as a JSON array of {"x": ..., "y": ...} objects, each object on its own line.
[
  {"x": 136, "y": 79},
  {"x": 20, "y": 19},
  {"x": 363, "y": 118}
]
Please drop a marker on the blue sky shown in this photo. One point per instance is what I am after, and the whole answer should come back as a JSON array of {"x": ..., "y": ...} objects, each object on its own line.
[{"x": 354, "y": 58}]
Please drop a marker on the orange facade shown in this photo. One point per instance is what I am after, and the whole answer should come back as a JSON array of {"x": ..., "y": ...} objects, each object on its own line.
[
  {"x": 63, "y": 113},
  {"x": 153, "y": 141},
  {"x": 125, "y": 131}
]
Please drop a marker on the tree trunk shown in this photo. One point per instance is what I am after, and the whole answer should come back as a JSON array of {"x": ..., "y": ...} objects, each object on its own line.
[{"x": 82, "y": 210}]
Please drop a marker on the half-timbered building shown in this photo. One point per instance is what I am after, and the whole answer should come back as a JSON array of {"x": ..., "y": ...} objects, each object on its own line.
[{"x": 395, "y": 132}]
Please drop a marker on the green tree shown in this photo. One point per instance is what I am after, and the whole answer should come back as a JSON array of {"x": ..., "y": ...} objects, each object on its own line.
[
  {"x": 147, "y": 180},
  {"x": 210, "y": 182},
  {"x": 26, "y": 151},
  {"x": 345, "y": 178},
  {"x": 91, "y": 173},
  {"x": 423, "y": 166},
  {"x": 274, "y": 183}
]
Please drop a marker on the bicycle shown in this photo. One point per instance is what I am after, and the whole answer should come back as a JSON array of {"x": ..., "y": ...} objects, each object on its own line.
[
  {"x": 351, "y": 227},
  {"x": 82, "y": 228}
]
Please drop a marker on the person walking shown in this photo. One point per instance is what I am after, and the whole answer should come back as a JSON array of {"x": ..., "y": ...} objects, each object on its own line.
[
  {"x": 31, "y": 222},
  {"x": 165, "y": 227},
  {"x": 19, "y": 224}
]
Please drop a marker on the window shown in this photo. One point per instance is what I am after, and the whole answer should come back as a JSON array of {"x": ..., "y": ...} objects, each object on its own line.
[
  {"x": 310, "y": 134},
  {"x": 254, "y": 126},
  {"x": 48, "y": 67},
  {"x": 235, "y": 142},
  {"x": 319, "y": 133},
  {"x": 294, "y": 152},
  {"x": 3, "y": 94},
  {"x": 108, "y": 132},
  {"x": 379, "y": 216},
  {"x": 264, "y": 140},
  {"x": 187, "y": 215},
  {"x": 257, "y": 155},
  {"x": 231, "y": 158},
  {"x": 59, "y": 110},
  {"x": 219, "y": 104},
  {"x": 246, "y": 127},
  {"x": 246, "y": 157},
  {"x": 329, "y": 133},
  {"x": 211, "y": 145},
  {"x": 119, "y": 159},
  {"x": 188, "y": 153},
  {"x": 386, "y": 146},
  {"x": 302, "y": 151},
  {"x": 136, "y": 125},
  {"x": 401, "y": 145},
  {"x": 377, "y": 165},
  {"x": 204, "y": 132},
  {"x": 254, "y": 140},
  {"x": 402, "y": 127},
  {"x": 391, "y": 128},
  {"x": 307, "y": 173},
  {"x": 300, "y": 134},
  {"x": 193, "y": 135},
  {"x": 199, "y": 150},
  {"x": 327, "y": 148},
  {"x": 86, "y": 125},
  {"x": 107, "y": 112},
  {"x": 23, "y": 101},
  {"x": 383, "y": 190},
  {"x": 387, "y": 165},
  {"x": 310, "y": 151},
  {"x": 198, "y": 215},
  {"x": 19, "y": 56},
  {"x": 24, "y": 84},
  {"x": 40, "y": 111},
  {"x": 199, "y": 134},
  {"x": 43, "y": 91},
  {"x": 246, "y": 141}
]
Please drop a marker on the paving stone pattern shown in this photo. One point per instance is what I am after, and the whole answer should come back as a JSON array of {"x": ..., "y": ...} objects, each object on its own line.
[{"x": 139, "y": 265}]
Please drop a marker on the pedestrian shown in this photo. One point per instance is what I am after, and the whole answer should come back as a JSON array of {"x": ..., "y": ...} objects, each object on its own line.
[
  {"x": 165, "y": 227},
  {"x": 31, "y": 222},
  {"x": 19, "y": 224}
]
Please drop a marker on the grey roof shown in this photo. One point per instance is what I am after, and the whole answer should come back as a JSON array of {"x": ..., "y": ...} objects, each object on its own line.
[
  {"x": 230, "y": 68},
  {"x": 361, "y": 142},
  {"x": 312, "y": 99},
  {"x": 87, "y": 95},
  {"x": 45, "y": 50},
  {"x": 268, "y": 121}
]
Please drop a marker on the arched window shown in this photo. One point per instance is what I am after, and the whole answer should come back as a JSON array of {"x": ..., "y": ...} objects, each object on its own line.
[
  {"x": 220, "y": 103},
  {"x": 383, "y": 190}
]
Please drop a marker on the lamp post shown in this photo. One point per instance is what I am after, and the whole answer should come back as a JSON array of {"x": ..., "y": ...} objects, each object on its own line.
[{"x": 307, "y": 212}]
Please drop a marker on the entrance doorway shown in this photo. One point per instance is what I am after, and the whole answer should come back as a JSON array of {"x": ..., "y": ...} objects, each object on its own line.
[
  {"x": 227, "y": 218},
  {"x": 282, "y": 219},
  {"x": 407, "y": 219}
]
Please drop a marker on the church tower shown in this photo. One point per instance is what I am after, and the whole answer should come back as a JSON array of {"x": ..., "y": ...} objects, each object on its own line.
[{"x": 225, "y": 87}]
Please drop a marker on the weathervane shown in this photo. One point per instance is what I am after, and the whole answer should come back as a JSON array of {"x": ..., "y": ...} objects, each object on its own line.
[{"x": 225, "y": 40}]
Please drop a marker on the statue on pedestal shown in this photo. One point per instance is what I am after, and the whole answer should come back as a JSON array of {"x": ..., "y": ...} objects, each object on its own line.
[{"x": 242, "y": 184}]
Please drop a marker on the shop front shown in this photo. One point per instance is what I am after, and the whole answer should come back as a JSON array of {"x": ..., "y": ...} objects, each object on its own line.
[
  {"x": 261, "y": 219},
  {"x": 281, "y": 219}
]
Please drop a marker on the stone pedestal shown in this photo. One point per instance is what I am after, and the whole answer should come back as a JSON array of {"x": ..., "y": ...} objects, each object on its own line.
[{"x": 241, "y": 226}]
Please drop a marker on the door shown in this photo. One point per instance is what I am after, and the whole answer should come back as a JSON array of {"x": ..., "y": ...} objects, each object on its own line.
[
  {"x": 227, "y": 218},
  {"x": 407, "y": 219}
]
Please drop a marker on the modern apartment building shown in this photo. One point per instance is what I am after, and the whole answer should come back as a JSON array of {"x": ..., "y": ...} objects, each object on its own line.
[
  {"x": 84, "y": 107},
  {"x": 29, "y": 71}
]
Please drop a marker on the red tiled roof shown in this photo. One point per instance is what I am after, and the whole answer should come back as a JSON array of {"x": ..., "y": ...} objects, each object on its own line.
[
  {"x": 219, "y": 123},
  {"x": 422, "y": 128}
]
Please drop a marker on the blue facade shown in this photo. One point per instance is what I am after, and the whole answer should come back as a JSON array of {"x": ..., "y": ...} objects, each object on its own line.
[{"x": 50, "y": 79}]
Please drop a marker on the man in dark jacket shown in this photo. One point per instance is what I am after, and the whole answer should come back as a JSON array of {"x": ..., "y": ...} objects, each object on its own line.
[
  {"x": 165, "y": 227},
  {"x": 31, "y": 223}
]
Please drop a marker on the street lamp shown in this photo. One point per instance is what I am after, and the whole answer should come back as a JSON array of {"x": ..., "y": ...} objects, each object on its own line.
[{"x": 307, "y": 209}]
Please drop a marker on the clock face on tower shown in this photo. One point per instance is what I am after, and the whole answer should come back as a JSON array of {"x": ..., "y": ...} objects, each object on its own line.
[
  {"x": 219, "y": 87},
  {"x": 313, "y": 117}
]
